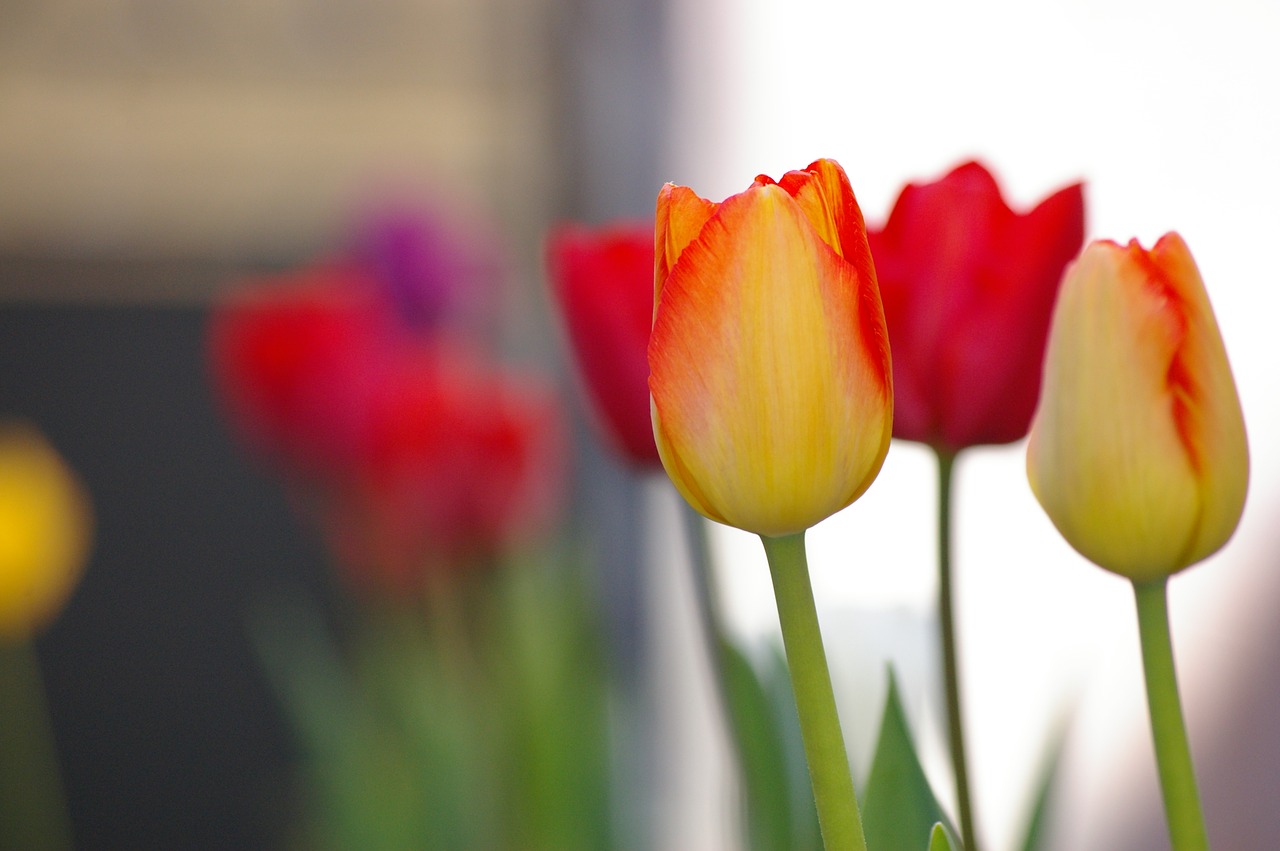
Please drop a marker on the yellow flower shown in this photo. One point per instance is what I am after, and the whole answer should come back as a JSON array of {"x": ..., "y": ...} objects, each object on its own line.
[
  {"x": 1138, "y": 451},
  {"x": 44, "y": 532},
  {"x": 770, "y": 381}
]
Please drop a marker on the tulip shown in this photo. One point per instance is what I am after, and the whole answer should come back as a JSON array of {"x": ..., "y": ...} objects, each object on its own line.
[
  {"x": 772, "y": 392},
  {"x": 1138, "y": 451},
  {"x": 968, "y": 287},
  {"x": 289, "y": 357},
  {"x": 1138, "y": 455},
  {"x": 603, "y": 282},
  {"x": 463, "y": 461},
  {"x": 772, "y": 400},
  {"x": 45, "y": 530}
]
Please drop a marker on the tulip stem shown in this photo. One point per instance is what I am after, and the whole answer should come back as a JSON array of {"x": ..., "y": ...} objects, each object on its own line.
[
  {"x": 33, "y": 809},
  {"x": 1168, "y": 729},
  {"x": 950, "y": 661},
  {"x": 815, "y": 700}
]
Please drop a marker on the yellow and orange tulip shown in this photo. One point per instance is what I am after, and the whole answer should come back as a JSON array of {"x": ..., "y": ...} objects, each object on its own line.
[
  {"x": 1138, "y": 451},
  {"x": 45, "y": 530},
  {"x": 770, "y": 380}
]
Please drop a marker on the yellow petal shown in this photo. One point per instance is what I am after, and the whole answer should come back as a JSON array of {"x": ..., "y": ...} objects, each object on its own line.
[
  {"x": 769, "y": 370},
  {"x": 1137, "y": 451},
  {"x": 44, "y": 532}
]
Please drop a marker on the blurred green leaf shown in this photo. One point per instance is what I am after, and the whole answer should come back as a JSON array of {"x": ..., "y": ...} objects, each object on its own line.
[
  {"x": 360, "y": 786},
  {"x": 1042, "y": 803},
  {"x": 941, "y": 840},
  {"x": 805, "y": 831},
  {"x": 545, "y": 653},
  {"x": 431, "y": 712},
  {"x": 761, "y": 751},
  {"x": 474, "y": 717},
  {"x": 900, "y": 808}
]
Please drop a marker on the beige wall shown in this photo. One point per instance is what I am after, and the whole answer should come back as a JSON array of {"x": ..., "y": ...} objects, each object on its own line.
[{"x": 249, "y": 129}]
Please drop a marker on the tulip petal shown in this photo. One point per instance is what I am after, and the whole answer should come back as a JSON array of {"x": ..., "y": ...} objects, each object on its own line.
[
  {"x": 1207, "y": 406},
  {"x": 812, "y": 197},
  {"x": 826, "y": 179},
  {"x": 680, "y": 216},
  {"x": 1138, "y": 452},
  {"x": 769, "y": 370}
]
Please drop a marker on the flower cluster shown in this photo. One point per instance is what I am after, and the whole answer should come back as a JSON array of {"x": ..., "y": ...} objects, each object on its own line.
[
  {"x": 762, "y": 350},
  {"x": 788, "y": 342},
  {"x": 413, "y": 448}
]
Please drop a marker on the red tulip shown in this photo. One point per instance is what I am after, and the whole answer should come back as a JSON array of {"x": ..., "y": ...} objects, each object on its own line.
[
  {"x": 603, "y": 281},
  {"x": 968, "y": 287},
  {"x": 288, "y": 357},
  {"x": 463, "y": 462},
  {"x": 413, "y": 454}
]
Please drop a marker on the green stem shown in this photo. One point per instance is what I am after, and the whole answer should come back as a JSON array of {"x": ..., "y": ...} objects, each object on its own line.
[
  {"x": 950, "y": 656},
  {"x": 1168, "y": 730},
  {"x": 33, "y": 812},
  {"x": 815, "y": 700}
]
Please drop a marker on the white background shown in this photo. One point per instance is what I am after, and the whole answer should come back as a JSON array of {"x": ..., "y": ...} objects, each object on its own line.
[{"x": 1170, "y": 112}]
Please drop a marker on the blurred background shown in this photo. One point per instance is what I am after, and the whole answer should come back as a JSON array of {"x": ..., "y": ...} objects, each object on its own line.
[{"x": 153, "y": 153}]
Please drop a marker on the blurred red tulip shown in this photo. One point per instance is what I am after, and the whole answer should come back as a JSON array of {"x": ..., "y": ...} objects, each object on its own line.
[
  {"x": 968, "y": 287},
  {"x": 463, "y": 463},
  {"x": 413, "y": 454},
  {"x": 289, "y": 357},
  {"x": 603, "y": 281}
]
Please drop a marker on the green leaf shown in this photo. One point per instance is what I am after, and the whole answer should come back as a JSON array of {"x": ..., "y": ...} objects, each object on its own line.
[
  {"x": 900, "y": 809},
  {"x": 761, "y": 752},
  {"x": 357, "y": 783},
  {"x": 552, "y": 699},
  {"x": 941, "y": 840},
  {"x": 1042, "y": 803},
  {"x": 805, "y": 830}
]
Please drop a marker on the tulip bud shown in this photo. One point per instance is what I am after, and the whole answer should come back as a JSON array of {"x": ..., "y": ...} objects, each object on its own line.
[
  {"x": 770, "y": 378},
  {"x": 1138, "y": 451},
  {"x": 44, "y": 532}
]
